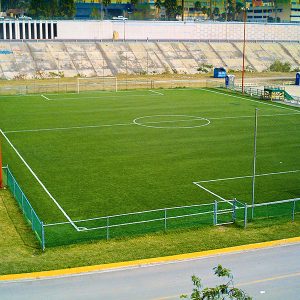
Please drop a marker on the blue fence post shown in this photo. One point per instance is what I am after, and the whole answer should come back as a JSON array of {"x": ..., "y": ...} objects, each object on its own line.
[
  {"x": 14, "y": 191},
  {"x": 293, "y": 211},
  {"x": 234, "y": 210},
  {"x": 107, "y": 228},
  {"x": 31, "y": 212},
  {"x": 43, "y": 236},
  {"x": 215, "y": 212},
  {"x": 245, "y": 215},
  {"x": 22, "y": 202}
]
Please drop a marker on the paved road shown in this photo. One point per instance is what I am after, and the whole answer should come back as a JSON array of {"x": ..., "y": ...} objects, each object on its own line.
[{"x": 272, "y": 273}]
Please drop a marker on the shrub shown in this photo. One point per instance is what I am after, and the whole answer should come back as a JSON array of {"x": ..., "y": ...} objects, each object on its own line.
[{"x": 278, "y": 66}]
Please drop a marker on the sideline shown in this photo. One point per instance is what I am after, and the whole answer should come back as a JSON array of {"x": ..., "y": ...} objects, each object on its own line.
[{"x": 146, "y": 262}]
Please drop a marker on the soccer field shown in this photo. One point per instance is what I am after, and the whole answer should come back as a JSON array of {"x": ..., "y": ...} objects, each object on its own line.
[{"x": 107, "y": 153}]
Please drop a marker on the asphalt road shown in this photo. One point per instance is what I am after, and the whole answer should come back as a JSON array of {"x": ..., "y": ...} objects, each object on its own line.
[{"x": 271, "y": 273}]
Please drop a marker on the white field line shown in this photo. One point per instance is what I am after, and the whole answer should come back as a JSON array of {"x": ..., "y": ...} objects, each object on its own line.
[
  {"x": 152, "y": 122},
  {"x": 38, "y": 180},
  {"x": 88, "y": 92},
  {"x": 67, "y": 128},
  {"x": 244, "y": 117},
  {"x": 252, "y": 100},
  {"x": 232, "y": 178},
  {"x": 247, "y": 176},
  {"x": 155, "y": 92},
  {"x": 104, "y": 97},
  {"x": 45, "y": 97},
  {"x": 209, "y": 191}
]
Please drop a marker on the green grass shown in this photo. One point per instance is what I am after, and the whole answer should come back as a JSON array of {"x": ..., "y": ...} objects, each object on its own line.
[
  {"x": 107, "y": 170},
  {"x": 19, "y": 251}
]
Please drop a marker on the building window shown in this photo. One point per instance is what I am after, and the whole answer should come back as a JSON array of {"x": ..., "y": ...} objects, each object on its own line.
[
  {"x": 32, "y": 30},
  {"x": 26, "y": 31},
  {"x": 13, "y": 29},
  {"x": 21, "y": 31},
  {"x": 49, "y": 31},
  {"x": 7, "y": 31},
  {"x": 55, "y": 30},
  {"x": 44, "y": 31},
  {"x": 1, "y": 31},
  {"x": 38, "y": 31}
]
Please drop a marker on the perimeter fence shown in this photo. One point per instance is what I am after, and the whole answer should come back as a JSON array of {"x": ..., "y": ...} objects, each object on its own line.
[
  {"x": 29, "y": 213},
  {"x": 150, "y": 221},
  {"x": 256, "y": 92},
  {"x": 59, "y": 86}
]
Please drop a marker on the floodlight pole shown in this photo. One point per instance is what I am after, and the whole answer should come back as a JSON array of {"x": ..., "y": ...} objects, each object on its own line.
[
  {"x": 254, "y": 164},
  {"x": 244, "y": 47}
]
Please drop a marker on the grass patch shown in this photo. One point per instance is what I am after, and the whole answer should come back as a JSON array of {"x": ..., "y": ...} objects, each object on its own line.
[
  {"x": 19, "y": 251},
  {"x": 107, "y": 153}
]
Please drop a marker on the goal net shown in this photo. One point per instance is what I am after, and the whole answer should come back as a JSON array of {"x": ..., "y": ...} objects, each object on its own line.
[{"x": 97, "y": 84}]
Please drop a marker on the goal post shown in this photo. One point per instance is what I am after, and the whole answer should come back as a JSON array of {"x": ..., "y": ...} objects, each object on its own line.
[{"x": 97, "y": 84}]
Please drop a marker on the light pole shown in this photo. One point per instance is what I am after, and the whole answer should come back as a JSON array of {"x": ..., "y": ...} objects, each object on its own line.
[
  {"x": 254, "y": 164},
  {"x": 244, "y": 46}
]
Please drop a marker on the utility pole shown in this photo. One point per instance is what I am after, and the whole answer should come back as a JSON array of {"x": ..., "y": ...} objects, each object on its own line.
[{"x": 182, "y": 13}]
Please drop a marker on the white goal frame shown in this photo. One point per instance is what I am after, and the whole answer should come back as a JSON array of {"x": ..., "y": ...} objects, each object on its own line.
[{"x": 108, "y": 83}]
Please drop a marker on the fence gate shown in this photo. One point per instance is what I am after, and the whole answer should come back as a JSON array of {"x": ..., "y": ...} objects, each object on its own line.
[
  {"x": 223, "y": 212},
  {"x": 228, "y": 211}
]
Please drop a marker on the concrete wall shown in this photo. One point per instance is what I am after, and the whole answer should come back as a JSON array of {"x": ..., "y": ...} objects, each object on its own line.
[
  {"x": 143, "y": 30},
  {"x": 47, "y": 59},
  {"x": 139, "y": 30}
]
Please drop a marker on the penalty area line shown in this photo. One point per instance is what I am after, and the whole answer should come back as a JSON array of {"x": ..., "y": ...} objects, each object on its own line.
[
  {"x": 211, "y": 192},
  {"x": 247, "y": 176},
  {"x": 45, "y": 97},
  {"x": 155, "y": 92},
  {"x": 38, "y": 180}
]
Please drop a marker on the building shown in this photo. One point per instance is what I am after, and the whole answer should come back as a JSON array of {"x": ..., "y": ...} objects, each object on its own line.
[{"x": 274, "y": 11}]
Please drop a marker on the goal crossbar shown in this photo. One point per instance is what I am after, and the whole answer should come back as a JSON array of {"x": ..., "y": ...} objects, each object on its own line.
[{"x": 97, "y": 84}]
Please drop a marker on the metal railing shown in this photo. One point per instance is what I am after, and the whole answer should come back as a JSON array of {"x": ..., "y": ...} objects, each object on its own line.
[
  {"x": 29, "y": 213},
  {"x": 150, "y": 221},
  {"x": 95, "y": 84}
]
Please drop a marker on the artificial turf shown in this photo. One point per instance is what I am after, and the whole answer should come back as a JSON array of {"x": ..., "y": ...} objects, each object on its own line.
[{"x": 105, "y": 153}]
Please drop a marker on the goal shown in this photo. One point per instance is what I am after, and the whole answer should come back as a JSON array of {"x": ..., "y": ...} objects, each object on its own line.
[{"x": 97, "y": 84}]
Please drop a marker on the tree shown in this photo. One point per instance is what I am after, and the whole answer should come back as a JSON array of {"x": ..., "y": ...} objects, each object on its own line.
[
  {"x": 95, "y": 13},
  {"x": 219, "y": 292},
  {"x": 67, "y": 8},
  {"x": 158, "y": 5},
  {"x": 134, "y": 4},
  {"x": 179, "y": 10},
  {"x": 216, "y": 11},
  {"x": 197, "y": 6},
  {"x": 171, "y": 8},
  {"x": 204, "y": 10},
  {"x": 106, "y": 3},
  {"x": 23, "y": 4},
  {"x": 38, "y": 9}
]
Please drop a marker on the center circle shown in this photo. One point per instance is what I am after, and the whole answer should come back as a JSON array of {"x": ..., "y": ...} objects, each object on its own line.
[{"x": 171, "y": 121}]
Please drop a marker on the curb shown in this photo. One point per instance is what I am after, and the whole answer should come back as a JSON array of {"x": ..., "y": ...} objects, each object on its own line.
[{"x": 149, "y": 261}]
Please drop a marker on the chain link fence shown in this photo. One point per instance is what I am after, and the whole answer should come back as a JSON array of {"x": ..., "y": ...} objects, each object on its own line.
[
  {"x": 29, "y": 213},
  {"x": 151, "y": 221},
  {"x": 58, "y": 86}
]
